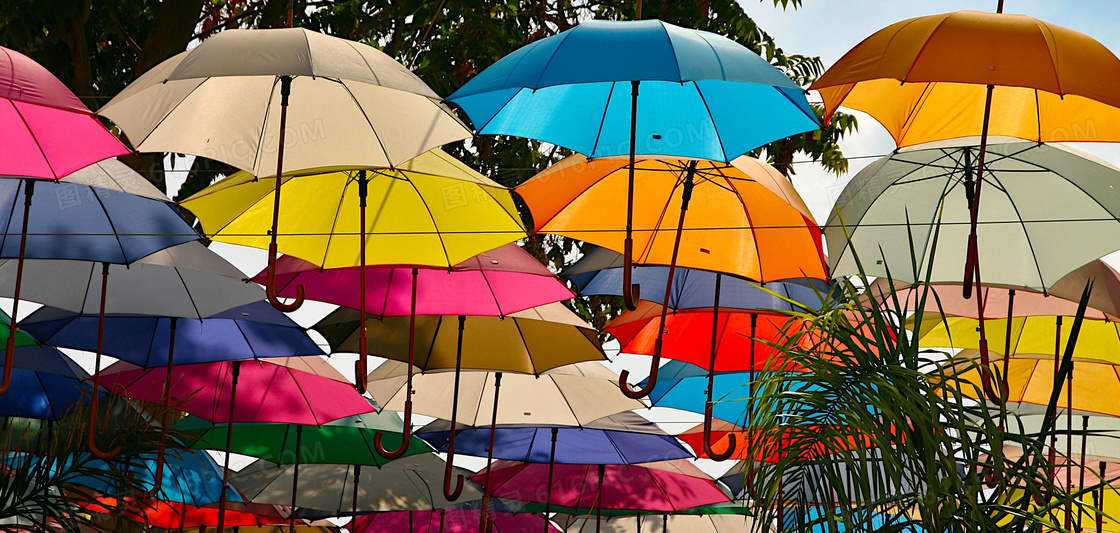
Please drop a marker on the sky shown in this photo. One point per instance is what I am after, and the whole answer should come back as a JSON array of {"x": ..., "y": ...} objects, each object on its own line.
[{"x": 826, "y": 28}]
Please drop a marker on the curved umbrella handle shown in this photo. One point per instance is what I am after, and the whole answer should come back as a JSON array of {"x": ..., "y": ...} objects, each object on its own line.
[
  {"x": 270, "y": 285},
  {"x": 732, "y": 439},
  {"x": 651, "y": 382},
  {"x": 399, "y": 452},
  {"x": 91, "y": 442},
  {"x": 448, "y": 493}
]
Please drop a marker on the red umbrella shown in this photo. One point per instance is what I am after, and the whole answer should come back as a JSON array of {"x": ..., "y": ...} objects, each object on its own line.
[
  {"x": 448, "y": 521},
  {"x": 177, "y": 516}
]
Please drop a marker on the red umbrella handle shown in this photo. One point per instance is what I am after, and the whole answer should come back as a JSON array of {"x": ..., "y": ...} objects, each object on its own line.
[
  {"x": 732, "y": 440},
  {"x": 161, "y": 450},
  {"x": 408, "y": 384},
  {"x": 91, "y": 442},
  {"x": 361, "y": 366},
  {"x": 712, "y": 384},
  {"x": 448, "y": 493},
  {"x": 270, "y": 286},
  {"x": 651, "y": 382}
]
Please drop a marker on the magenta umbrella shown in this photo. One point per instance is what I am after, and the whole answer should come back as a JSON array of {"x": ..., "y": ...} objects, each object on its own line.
[
  {"x": 283, "y": 390},
  {"x": 48, "y": 132},
  {"x": 661, "y": 486},
  {"x": 499, "y": 282},
  {"x": 448, "y": 521}
]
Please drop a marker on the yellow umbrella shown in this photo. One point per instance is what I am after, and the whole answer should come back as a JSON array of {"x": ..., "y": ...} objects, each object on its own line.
[
  {"x": 430, "y": 211},
  {"x": 1099, "y": 340}
]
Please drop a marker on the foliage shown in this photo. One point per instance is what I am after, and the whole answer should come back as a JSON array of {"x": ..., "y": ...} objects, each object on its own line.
[
  {"x": 47, "y": 470},
  {"x": 882, "y": 434}
]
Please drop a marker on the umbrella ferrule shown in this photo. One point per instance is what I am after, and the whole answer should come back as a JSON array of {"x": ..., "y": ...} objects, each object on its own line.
[
  {"x": 28, "y": 192},
  {"x": 363, "y": 188},
  {"x": 285, "y": 89}
]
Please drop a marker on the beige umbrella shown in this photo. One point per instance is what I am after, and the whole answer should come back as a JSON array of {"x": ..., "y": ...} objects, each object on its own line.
[{"x": 228, "y": 99}]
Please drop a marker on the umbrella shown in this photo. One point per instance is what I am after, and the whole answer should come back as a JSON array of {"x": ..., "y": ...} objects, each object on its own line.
[
  {"x": 179, "y": 516},
  {"x": 347, "y": 440},
  {"x": 355, "y": 107},
  {"x": 1043, "y": 198},
  {"x": 670, "y": 523},
  {"x": 404, "y": 484},
  {"x": 693, "y": 94},
  {"x": 46, "y": 384},
  {"x": 530, "y": 341},
  {"x": 190, "y": 477},
  {"x": 448, "y": 521},
  {"x": 431, "y": 211},
  {"x": 660, "y": 486},
  {"x": 749, "y": 220},
  {"x": 296, "y": 390},
  {"x": 48, "y": 131},
  {"x": 623, "y": 438},
  {"x": 599, "y": 271},
  {"x": 571, "y": 395}
]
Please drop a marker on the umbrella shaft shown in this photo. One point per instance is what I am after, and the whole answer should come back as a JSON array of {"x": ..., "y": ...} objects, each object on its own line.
[
  {"x": 484, "y": 522},
  {"x": 235, "y": 371}
]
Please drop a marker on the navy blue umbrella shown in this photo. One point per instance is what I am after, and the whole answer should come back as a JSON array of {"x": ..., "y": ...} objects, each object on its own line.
[
  {"x": 45, "y": 384},
  {"x": 245, "y": 332},
  {"x": 599, "y": 272}
]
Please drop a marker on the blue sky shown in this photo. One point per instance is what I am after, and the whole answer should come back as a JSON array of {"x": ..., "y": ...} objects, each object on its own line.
[{"x": 829, "y": 28}]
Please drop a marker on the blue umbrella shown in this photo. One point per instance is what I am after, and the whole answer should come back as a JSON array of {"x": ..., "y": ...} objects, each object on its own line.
[
  {"x": 45, "y": 384},
  {"x": 245, "y": 332},
  {"x": 693, "y": 94},
  {"x": 685, "y": 386},
  {"x": 599, "y": 272},
  {"x": 119, "y": 221},
  {"x": 190, "y": 477}
]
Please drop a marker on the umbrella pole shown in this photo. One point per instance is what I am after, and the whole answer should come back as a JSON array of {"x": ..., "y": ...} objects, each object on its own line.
[
  {"x": 161, "y": 450},
  {"x": 1081, "y": 465},
  {"x": 361, "y": 368},
  {"x": 1006, "y": 385},
  {"x": 602, "y": 472},
  {"x": 295, "y": 480},
  {"x": 90, "y": 441},
  {"x": 551, "y": 472},
  {"x": 972, "y": 262},
  {"x": 1069, "y": 445},
  {"x": 655, "y": 364},
  {"x": 270, "y": 286},
  {"x": 354, "y": 505},
  {"x": 408, "y": 385},
  {"x": 630, "y": 292},
  {"x": 708, "y": 405},
  {"x": 1099, "y": 500},
  {"x": 10, "y": 355},
  {"x": 235, "y": 370},
  {"x": 750, "y": 406},
  {"x": 484, "y": 522},
  {"x": 448, "y": 473},
  {"x": 1057, "y": 384}
]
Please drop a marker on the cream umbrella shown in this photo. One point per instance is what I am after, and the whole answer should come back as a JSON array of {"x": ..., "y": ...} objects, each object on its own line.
[{"x": 351, "y": 107}]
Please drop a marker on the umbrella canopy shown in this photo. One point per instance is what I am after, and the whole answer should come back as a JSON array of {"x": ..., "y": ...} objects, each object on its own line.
[
  {"x": 449, "y": 521},
  {"x": 245, "y": 332},
  {"x": 660, "y": 486},
  {"x": 572, "y": 395},
  {"x": 48, "y": 131},
  {"x": 190, "y": 477},
  {"x": 1030, "y": 381},
  {"x": 351, "y": 106},
  {"x": 327, "y": 490},
  {"x": 687, "y": 337},
  {"x": 695, "y": 94},
  {"x": 667, "y": 523},
  {"x": 176, "y": 515},
  {"x": 344, "y": 441},
  {"x": 746, "y": 218},
  {"x": 431, "y": 211},
  {"x": 684, "y": 386},
  {"x": 498, "y": 282},
  {"x": 1041, "y": 199},
  {"x": 623, "y": 438},
  {"x": 186, "y": 281},
  {"x": 530, "y": 341},
  {"x": 599, "y": 272},
  {"x": 1098, "y": 341},
  {"x": 46, "y": 384},
  {"x": 268, "y": 392},
  {"x": 1050, "y": 83}
]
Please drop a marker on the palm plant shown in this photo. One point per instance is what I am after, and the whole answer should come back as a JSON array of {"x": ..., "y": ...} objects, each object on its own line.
[{"x": 879, "y": 434}]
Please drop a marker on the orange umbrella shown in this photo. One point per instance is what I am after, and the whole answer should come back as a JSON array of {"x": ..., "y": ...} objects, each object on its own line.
[
  {"x": 936, "y": 77},
  {"x": 746, "y": 220}
]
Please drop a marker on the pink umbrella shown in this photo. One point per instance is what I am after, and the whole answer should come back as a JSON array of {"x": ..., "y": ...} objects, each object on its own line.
[
  {"x": 448, "y": 521},
  {"x": 48, "y": 132},
  {"x": 291, "y": 390},
  {"x": 662, "y": 486},
  {"x": 499, "y": 282}
]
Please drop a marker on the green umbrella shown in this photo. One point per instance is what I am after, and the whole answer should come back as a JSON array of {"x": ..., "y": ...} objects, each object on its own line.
[
  {"x": 346, "y": 441},
  {"x": 22, "y": 338}
]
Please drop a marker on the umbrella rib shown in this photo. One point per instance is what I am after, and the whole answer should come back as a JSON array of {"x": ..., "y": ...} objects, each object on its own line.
[
  {"x": 432, "y": 345},
  {"x": 380, "y": 143},
  {"x": 708, "y": 110},
  {"x": 116, "y": 235},
  {"x": 36, "y": 138},
  {"x": 334, "y": 223},
  {"x": 493, "y": 295},
  {"x": 237, "y": 324},
  {"x": 655, "y": 231},
  {"x": 567, "y": 402},
  {"x": 188, "y": 291},
  {"x": 911, "y": 116},
  {"x": 753, "y": 229},
  {"x": 435, "y": 225},
  {"x": 304, "y": 396},
  {"x": 11, "y": 215},
  {"x": 568, "y": 202},
  {"x": 264, "y": 126},
  {"x": 1026, "y": 233},
  {"x": 515, "y": 219},
  {"x": 525, "y": 343},
  {"x": 504, "y": 104},
  {"x": 599, "y": 132},
  {"x": 170, "y": 112},
  {"x": 152, "y": 344}
]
